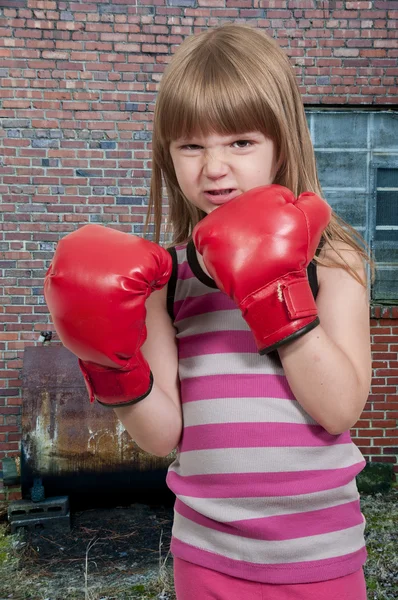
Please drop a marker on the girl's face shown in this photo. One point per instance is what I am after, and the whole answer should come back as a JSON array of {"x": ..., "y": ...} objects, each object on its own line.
[{"x": 213, "y": 169}]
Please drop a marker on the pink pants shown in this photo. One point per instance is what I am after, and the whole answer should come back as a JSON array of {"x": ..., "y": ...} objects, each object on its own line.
[{"x": 193, "y": 582}]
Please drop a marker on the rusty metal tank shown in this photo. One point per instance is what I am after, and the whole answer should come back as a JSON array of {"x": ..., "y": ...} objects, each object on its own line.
[{"x": 79, "y": 449}]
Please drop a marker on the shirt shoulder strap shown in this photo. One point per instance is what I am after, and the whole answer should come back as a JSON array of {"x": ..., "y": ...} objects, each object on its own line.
[{"x": 171, "y": 286}]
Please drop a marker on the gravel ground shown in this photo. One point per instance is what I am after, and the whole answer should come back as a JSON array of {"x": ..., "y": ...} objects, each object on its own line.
[
  {"x": 122, "y": 554},
  {"x": 381, "y": 569}
]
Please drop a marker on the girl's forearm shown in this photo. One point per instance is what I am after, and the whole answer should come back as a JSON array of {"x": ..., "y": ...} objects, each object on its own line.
[
  {"x": 324, "y": 380},
  {"x": 155, "y": 423}
]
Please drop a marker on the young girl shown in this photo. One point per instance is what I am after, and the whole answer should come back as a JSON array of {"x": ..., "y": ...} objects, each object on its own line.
[{"x": 255, "y": 382}]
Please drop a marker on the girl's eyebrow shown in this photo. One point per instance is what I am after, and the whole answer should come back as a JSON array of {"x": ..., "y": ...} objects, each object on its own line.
[{"x": 232, "y": 136}]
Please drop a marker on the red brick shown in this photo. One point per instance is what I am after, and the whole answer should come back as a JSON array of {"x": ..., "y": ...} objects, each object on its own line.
[
  {"x": 371, "y": 432},
  {"x": 11, "y": 496}
]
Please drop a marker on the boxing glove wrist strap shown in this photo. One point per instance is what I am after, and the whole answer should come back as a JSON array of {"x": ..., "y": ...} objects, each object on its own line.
[
  {"x": 280, "y": 311},
  {"x": 115, "y": 388}
]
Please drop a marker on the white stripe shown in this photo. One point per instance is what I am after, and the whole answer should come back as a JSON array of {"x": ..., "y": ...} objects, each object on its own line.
[
  {"x": 228, "y": 364},
  {"x": 225, "y": 510},
  {"x": 245, "y": 410},
  {"x": 316, "y": 547},
  {"x": 267, "y": 460}
]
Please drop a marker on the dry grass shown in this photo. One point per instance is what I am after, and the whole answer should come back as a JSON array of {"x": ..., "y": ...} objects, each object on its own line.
[{"x": 3, "y": 511}]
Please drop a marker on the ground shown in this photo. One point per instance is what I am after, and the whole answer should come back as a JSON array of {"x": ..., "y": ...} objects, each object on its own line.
[
  {"x": 122, "y": 554},
  {"x": 118, "y": 553}
]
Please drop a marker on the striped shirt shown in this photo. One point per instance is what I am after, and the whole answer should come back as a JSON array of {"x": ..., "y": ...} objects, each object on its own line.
[{"x": 263, "y": 492}]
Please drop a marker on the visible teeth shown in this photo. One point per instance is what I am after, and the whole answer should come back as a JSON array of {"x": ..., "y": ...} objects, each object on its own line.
[{"x": 217, "y": 192}]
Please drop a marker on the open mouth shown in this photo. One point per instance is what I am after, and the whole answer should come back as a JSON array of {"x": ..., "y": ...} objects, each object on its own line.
[
  {"x": 217, "y": 197},
  {"x": 220, "y": 192}
]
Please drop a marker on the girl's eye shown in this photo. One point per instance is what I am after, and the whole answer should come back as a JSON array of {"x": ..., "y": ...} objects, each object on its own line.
[
  {"x": 243, "y": 143},
  {"x": 191, "y": 147}
]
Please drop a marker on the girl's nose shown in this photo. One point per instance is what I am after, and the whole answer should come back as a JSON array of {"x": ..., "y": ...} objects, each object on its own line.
[{"x": 215, "y": 165}]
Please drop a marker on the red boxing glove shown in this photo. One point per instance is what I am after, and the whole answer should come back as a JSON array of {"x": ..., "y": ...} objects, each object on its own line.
[
  {"x": 257, "y": 248},
  {"x": 95, "y": 289}
]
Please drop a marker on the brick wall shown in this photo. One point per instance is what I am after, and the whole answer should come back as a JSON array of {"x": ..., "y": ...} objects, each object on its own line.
[
  {"x": 376, "y": 433},
  {"x": 77, "y": 89}
]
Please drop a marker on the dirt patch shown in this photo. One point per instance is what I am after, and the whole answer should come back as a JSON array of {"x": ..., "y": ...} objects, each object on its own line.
[
  {"x": 109, "y": 553},
  {"x": 124, "y": 535}
]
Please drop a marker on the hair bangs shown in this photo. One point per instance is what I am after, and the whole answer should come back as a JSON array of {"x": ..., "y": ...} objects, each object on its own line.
[{"x": 214, "y": 98}]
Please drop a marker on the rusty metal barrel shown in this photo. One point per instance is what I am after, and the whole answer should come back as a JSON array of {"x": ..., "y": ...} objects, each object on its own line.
[{"x": 76, "y": 448}]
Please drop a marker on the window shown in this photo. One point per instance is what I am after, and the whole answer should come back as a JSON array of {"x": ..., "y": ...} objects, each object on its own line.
[
  {"x": 357, "y": 160},
  {"x": 384, "y": 237}
]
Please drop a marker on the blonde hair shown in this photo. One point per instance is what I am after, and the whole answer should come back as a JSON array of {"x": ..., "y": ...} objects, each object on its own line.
[{"x": 235, "y": 79}]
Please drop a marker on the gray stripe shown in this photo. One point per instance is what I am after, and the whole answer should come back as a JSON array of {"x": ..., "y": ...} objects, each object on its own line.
[
  {"x": 227, "y": 510},
  {"x": 317, "y": 547},
  {"x": 181, "y": 255},
  {"x": 228, "y": 364},
  {"x": 192, "y": 288},
  {"x": 268, "y": 460},
  {"x": 219, "y": 320},
  {"x": 245, "y": 410}
]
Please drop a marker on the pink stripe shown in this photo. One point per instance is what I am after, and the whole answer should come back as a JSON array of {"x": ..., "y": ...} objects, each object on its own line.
[
  {"x": 184, "y": 271},
  {"x": 258, "y": 435},
  {"x": 235, "y": 386},
  {"x": 216, "y": 342},
  {"x": 283, "y": 527},
  {"x": 288, "y": 573},
  {"x": 198, "y": 305},
  {"x": 259, "y": 485}
]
